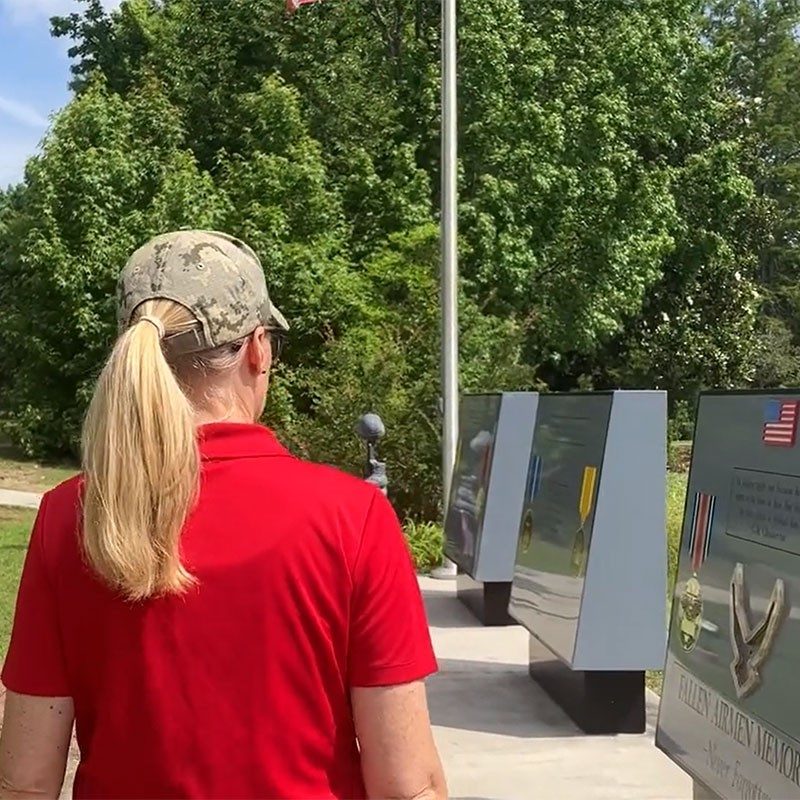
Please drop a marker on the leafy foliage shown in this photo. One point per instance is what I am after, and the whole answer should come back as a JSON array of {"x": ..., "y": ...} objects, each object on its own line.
[
  {"x": 425, "y": 542},
  {"x": 111, "y": 173},
  {"x": 391, "y": 363}
]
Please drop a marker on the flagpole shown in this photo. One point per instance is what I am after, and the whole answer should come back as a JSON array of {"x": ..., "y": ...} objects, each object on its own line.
[{"x": 449, "y": 268}]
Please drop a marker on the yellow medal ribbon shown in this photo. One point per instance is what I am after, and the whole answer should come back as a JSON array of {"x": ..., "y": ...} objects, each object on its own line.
[{"x": 587, "y": 493}]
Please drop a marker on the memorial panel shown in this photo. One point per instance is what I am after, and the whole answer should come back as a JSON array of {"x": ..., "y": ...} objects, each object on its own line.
[
  {"x": 730, "y": 710},
  {"x": 556, "y": 528},
  {"x": 590, "y": 575},
  {"x": 478, "y": 418},
  {"x": 486, "y": 498}
]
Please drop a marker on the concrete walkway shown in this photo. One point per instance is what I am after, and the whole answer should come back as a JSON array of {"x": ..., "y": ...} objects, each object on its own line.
[
  {"x": 502, "y": 738},
  {"x": 11, "y": 497}
]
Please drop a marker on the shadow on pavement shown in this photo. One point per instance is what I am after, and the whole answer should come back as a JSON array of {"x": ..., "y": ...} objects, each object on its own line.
[
  {"x": 445, "y": 611},
  {"x": 494, "y": 698}
]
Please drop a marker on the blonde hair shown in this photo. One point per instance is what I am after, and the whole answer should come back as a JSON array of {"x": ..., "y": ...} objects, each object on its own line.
[{"x": 140, "y": 457}]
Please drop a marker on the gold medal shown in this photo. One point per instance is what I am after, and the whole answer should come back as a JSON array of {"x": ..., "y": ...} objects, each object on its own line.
[
  {"x": 690, "y": 614},
  {"x": 585, "y": 503},
  {"x": 527, "y": 531},
  {"x": 578, "y": 559},
  {"x": 690, "y": 608}
]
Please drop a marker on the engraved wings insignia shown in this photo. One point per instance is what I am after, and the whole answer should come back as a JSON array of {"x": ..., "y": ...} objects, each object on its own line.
[{"x": 752, "y": 646}]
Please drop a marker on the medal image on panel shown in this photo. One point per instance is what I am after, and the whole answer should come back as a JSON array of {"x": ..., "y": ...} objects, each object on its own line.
[
  {"x": 752, "y": 646},
  {"x": 532, "y": 486},
  {"x": 690, "y": 610},
  {"x": 526, "y": 536},
  {"x": 585, "y": 503}
]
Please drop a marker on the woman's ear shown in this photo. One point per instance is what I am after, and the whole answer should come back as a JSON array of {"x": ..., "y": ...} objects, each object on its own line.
[{"x": 259, "y": 357}]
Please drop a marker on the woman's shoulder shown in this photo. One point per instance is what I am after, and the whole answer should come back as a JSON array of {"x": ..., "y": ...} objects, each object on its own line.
[
  {"x": 328, "y": 493},
  {"x": 324, "y": 481},
  {"x": 64, "y": 500},
  {"x": 58, "y": 522}
]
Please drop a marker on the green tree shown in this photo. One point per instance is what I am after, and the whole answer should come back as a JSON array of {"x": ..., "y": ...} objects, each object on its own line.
[
  {"x": 114, "y": 45},
  {"x": 112, "y": 172},
  {"x": 390, "y": 365},
  {"x": 698, "y": 326},
  {"x": 279, "y": 200},
  {"x": 573, "y": 119},
  {"x": 764, "y": 73},
  {"x": 760, "y": 39},
  {"x": 358, "y": 66}
]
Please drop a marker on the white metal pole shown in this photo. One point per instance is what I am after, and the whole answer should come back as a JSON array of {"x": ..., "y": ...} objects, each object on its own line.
[{"x": 449, "y": 273}]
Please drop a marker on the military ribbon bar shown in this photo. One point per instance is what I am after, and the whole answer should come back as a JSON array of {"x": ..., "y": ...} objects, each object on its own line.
[
  {"x": 534, "y": 478},
  {"x": 700, "y": 533}
]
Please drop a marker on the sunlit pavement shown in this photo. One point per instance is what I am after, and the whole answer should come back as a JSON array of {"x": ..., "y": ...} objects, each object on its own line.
[{"x": 15, "y": 499}]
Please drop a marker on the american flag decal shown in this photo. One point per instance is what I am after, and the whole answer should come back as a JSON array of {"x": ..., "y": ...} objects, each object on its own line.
[
  {"x": 780, "y": 423},
  {"x": 534, "y": 478},
  {"x": 700, "y": 533}
]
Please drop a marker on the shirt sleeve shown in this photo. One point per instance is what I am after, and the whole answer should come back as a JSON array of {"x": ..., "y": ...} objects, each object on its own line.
[
  {"x": 34, "y": 663},
  {"x": 389, "y": 639}
]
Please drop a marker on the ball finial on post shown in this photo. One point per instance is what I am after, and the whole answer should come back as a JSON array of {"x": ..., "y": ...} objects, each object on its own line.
[{"x": 371, "y": 430}]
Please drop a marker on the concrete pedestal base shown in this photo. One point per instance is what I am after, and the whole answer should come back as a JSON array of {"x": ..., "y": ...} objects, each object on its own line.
[
  {"x": 597, "y": 702},
  {"x": 487, "y": 601}
]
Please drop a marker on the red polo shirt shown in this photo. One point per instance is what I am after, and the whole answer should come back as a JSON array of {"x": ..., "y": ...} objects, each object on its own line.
[{"x": 241, "y": 687}]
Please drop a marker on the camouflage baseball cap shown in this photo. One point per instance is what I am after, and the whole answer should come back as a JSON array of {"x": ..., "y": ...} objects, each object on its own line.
[{"x": 215, "y": 276}]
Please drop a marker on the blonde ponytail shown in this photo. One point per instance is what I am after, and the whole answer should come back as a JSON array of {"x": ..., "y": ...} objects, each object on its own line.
[{"x": 140, "y": 461}]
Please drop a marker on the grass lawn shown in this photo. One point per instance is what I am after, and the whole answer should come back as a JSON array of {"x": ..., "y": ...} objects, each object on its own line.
[
  {"x": 676, "y": 496},
  {"x": 29, "y": 476},
  {"x": 15, "y": 529}
]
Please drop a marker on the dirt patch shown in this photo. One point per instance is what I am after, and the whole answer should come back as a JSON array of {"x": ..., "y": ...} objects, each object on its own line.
[
  {"x": 680, "y": 457},
  {"x": 29, "y": 476}
]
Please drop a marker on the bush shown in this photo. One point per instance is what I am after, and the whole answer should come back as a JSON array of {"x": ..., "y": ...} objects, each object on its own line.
[
  {"x": 676, "y": 500},
  {"x": 426, "y": 540},
  {"x": 680, "y": 426}
]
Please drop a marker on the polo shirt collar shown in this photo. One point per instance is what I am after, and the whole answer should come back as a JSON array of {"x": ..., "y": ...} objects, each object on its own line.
[{"x": 224, "y": 440}]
